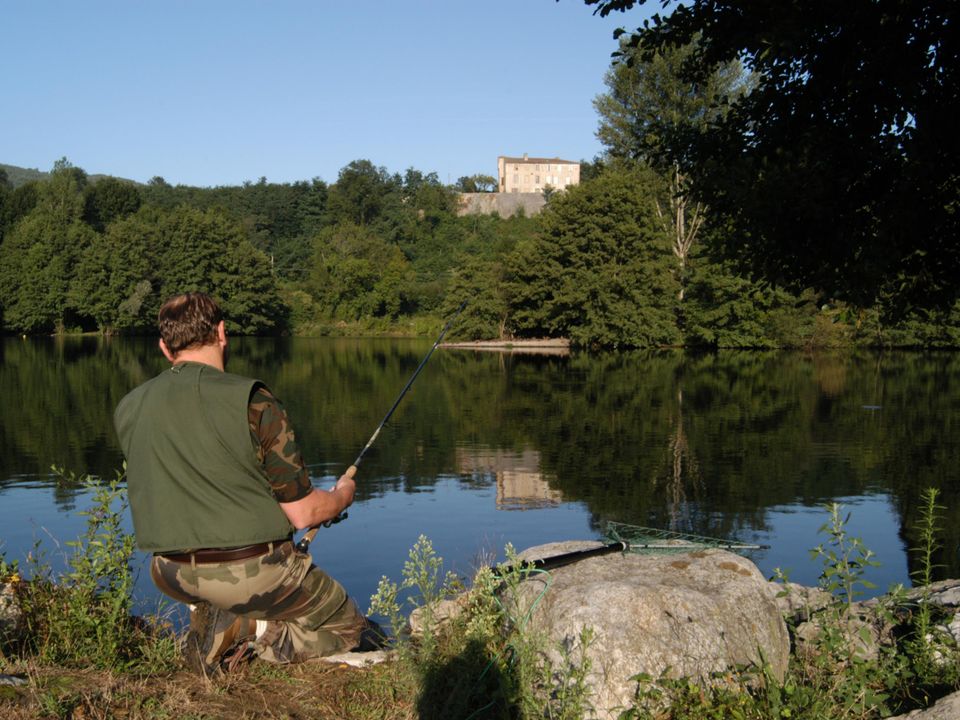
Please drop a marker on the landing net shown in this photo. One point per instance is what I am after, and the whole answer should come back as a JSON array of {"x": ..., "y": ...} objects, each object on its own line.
[{"x": 639, "y": 539}]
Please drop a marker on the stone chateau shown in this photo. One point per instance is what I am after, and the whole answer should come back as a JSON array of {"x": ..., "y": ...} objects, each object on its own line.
[
  {"x": 522, "y": 181},
  {"x": 532, "y": 175}
]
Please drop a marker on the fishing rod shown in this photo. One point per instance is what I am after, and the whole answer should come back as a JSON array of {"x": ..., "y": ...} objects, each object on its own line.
[
  {"x": 618, "y": 546},
  {"x": 305, "y": 541}
]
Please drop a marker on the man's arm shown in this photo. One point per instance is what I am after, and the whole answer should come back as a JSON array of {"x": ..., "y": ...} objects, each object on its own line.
[
  {"x": 320, "y": 505},
  {"x": 279, "y": 455}
]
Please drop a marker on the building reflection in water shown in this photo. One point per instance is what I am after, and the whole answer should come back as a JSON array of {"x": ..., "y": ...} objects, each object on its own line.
[{"x": 520, "y": 483}]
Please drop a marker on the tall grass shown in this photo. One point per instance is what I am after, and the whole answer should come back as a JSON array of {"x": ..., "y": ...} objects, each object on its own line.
[{"x": 82, "y": 617}]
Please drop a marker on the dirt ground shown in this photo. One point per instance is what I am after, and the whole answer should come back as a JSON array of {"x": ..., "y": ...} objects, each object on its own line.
[{"x": 260, "y": 690}]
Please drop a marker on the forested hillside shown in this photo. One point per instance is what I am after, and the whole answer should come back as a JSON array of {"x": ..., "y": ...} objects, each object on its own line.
[{"x": 380, "y": 252}]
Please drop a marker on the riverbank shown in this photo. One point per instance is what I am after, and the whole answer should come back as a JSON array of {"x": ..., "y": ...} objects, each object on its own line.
[
  {"x": 457, "y": 675},
  {"x": 475, "y": 655}
]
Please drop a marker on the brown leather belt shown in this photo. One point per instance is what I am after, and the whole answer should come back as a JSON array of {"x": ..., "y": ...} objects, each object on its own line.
[{"x": 220, "y": 555}]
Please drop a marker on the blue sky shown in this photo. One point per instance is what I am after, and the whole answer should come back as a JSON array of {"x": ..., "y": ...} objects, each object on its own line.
[{"x": 216, "y": 92}]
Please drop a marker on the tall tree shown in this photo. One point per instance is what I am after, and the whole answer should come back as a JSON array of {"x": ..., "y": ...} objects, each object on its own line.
[
  {"x": 477, "y": 184},
  {"x": 841, "y": 168},
  {"x": 39, "y": 255},
  {"x": 358, "y": 195},
  {"x": 125, "y": 275},
  {"x": 647, "y": 109},
  {"x": 109, "y": 199},
  {"x": 356, "y": 275},
  {"x": 599, "y": 272}
]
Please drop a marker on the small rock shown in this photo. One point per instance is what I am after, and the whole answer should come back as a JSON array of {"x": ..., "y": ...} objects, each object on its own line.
[
  {"x": 860, "y": 634},
  {"x": 949, "y": 597},
  {"x": 954, "y": 628},
  {"x": 356, "y": 659},
  {"x": 11, "y": 616},
  {"x": 799, "y": 602},
  {"x": 12, "y": 679},
  {"x": 442, "y": 612},
  {"x": 943, "y": 592}
]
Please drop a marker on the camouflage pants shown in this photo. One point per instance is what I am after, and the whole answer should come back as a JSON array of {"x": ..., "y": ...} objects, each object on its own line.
[{"x": 309, "y": 612}]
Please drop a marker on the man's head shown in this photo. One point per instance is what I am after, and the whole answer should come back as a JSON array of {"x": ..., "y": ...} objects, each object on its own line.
[{"x": 189, "y": 322}]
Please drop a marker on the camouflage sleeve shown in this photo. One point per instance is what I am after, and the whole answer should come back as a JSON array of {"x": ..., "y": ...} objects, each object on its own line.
[{"x": 277, "y": 448}]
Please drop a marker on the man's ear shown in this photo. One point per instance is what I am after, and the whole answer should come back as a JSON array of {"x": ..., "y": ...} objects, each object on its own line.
[
  {"x": 166, "y": 351},
  {"x": 222, "y": 334}
]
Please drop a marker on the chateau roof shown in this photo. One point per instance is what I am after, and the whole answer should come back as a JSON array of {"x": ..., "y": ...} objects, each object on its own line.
[{"x": 539, "y": 161}]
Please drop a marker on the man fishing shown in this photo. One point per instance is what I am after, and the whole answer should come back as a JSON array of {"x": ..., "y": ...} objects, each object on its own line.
[{"x": 216, "y": 486}]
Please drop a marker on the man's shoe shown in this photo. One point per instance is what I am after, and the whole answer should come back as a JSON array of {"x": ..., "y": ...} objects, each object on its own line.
[
  {"x": 216, "y": 635},
  {"x": 372, "y": 637}
]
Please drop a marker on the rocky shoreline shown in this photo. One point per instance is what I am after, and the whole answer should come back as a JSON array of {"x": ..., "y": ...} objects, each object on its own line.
[{"x": 700, "y": 615}]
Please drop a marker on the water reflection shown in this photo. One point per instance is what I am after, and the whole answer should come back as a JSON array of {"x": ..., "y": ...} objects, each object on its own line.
[
  {"x": 722, "y": 444},
  {"x": 520, "y": 483}
]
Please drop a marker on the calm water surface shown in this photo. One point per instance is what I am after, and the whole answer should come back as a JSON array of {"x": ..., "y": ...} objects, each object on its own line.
[{"x": 488, "y": 449}]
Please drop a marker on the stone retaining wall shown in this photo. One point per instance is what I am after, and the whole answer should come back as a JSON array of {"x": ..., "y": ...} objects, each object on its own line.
[{"x": 503, "y": 204}]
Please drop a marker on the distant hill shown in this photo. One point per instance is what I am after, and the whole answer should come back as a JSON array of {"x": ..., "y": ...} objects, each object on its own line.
[{"x": 18, "y": 176}]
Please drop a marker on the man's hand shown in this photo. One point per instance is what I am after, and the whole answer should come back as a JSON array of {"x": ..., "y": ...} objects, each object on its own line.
[
  {"x": 321, "y": 505},
  {"x": 348, "y": 486}
]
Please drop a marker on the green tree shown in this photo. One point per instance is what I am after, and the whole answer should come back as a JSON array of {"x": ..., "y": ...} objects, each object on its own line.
[
  {"x": 119, "y": 273},
  {"x": 647, "y": 106},
  {"x": 484, "y": 284},
  {"x": 18, "y": 204},
  {"x": 145, "y": 258},
  {"x": 359, "y": 195},
  {"x": 839, "y": 170},
  {"x": 723, "y": 309},
  {"x": 109, "y": 199},
  {"x": 39, "y": 255},
  {"x": 600, "y": 270},
  {"x": 356, "y": 275},
  {"x": 476, "y": 184}
]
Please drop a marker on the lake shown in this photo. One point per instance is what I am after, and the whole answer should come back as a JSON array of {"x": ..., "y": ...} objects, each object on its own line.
[{"x": 495, "y": 448}]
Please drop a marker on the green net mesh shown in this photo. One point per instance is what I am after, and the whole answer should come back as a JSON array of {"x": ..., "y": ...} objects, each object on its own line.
[{"x": 639, "y": 539}]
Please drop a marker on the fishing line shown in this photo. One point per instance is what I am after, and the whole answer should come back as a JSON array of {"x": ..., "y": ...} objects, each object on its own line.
[{"x": 305, "y": 541}]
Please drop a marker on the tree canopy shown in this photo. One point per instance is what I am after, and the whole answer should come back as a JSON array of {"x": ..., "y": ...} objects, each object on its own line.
[
  {"x": 389, "y": 252},
  {"x": 600, "y": 271},
  {"x": 841, "y": 168}
]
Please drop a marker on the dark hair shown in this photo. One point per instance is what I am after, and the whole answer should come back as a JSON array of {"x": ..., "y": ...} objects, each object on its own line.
[{"x": 189, "y": 320}]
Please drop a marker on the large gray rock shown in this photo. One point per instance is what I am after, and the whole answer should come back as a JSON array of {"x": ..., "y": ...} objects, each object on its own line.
[
  {"x": 694, "y": 613},
  {"x": 946, "y": 708}
]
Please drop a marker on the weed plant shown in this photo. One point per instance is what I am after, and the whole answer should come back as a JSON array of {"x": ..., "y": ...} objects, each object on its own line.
[
  {"x": 482, "y": 660},
  {"x": 83, "y": 617},
  {"x": 932, "y": 650}
]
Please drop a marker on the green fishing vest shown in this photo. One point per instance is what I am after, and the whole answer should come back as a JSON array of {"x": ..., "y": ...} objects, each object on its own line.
[{"x": 193, "y": 477}]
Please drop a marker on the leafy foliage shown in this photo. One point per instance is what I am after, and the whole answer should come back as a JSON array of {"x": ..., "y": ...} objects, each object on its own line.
[
  {"x": 600, "y": 270},
  {"x": 838, "y": 170},
  {"x": 609, "y": 264}
]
